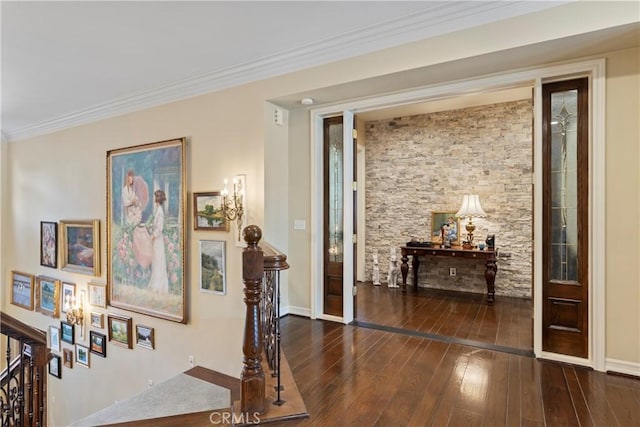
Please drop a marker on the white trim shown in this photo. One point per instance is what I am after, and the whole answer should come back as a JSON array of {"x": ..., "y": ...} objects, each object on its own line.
[
  {"x": 623, "y": 367},
  {"x": 572, "y": 360},
  {"x": 316, "y": 228},
  {"x": 298, "y": 311},
  {"x": 347, "y": 216},
  {"x": 594, "y": 68},
  {"x": 331, "y": 318}
]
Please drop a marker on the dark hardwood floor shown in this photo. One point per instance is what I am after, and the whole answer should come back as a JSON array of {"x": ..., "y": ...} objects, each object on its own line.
[
  {"x": 507, "y": 322},
  {"x": 354, "y": 376}
]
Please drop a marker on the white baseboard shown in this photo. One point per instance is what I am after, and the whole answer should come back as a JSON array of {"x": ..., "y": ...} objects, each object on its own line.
[
  {"x": 298, "y": 311},
  {"x": 622, "y": 367}
]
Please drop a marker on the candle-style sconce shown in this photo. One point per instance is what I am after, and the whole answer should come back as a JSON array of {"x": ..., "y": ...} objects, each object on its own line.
[
  {"x": 233, "y": 204},
  {"x": 75, "y": 311}
]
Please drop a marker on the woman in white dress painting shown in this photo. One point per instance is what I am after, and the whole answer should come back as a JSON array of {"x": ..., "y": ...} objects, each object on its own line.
[{"x": 159, "y": 280}]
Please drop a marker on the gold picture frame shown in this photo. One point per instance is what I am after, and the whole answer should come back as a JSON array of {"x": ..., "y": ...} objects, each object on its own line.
[
  {"x": 48, "y": 296},
  {"x": 146, "y": 205},
  {"x": 451, "y": 224},
  {"x": 80, "y": 246},
  {"x": 22, "y": 292}
]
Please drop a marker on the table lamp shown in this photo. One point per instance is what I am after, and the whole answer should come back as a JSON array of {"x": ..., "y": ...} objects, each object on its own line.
[{"x": 470, "y": 209}]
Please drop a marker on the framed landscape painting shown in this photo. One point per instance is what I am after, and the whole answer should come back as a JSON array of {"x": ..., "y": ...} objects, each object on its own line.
[
  {"x": 212, "y": 267},
  {"x": 145, "y": 229},
  {"x": 208, "y": 212},
  {"x": 49, "y": 244},
  {"x": 120, "y": 330},
  {"x": 80, "y": 246},
  {"x": 48, "y": 296},
  {"x": 22, "y": 290}
]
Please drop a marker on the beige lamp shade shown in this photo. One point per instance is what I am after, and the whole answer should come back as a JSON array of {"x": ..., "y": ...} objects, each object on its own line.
[{"x": 471, "y": 207}]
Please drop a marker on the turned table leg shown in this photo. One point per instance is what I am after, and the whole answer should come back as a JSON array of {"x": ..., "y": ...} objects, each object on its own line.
[
  {"x": 490, "y": 277},
  {"x": 404, "y": 268},
  {"x": 416, "y": 265}
]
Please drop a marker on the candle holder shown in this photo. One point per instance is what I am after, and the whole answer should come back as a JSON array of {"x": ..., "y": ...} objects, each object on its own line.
[
  {"x": 232, "y": 206},
  {"x": 75, "y": 312}
]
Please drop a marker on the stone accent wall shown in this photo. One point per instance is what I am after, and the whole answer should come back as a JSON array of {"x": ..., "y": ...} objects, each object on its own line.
[{"x": 419, "y": 164}]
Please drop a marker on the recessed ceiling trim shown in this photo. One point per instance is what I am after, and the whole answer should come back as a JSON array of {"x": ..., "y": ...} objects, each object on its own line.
[{"x": 431, "y": 22}]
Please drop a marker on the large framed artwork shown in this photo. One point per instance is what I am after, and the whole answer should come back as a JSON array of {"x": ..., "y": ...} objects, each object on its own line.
[
  {"x": 49, "y": 244},
  {"x": 146, "y": 201},
  {"x": 80, "y": 246}
]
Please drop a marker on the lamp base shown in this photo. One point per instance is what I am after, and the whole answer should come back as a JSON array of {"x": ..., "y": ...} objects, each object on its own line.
[{"x": 467, "y": 246}]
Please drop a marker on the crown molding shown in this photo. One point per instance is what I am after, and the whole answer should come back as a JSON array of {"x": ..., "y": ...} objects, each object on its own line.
[{"x": 434, "y": 21}]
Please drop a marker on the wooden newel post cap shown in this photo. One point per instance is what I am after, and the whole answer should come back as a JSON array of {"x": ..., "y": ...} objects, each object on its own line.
[{"x": 252, "y": 235}]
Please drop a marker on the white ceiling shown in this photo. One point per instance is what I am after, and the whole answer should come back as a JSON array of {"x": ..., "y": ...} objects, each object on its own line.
[{"x": 66, "y": 63}]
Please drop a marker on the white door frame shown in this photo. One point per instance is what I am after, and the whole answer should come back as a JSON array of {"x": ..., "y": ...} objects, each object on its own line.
[{"x": 595, "y": 69}]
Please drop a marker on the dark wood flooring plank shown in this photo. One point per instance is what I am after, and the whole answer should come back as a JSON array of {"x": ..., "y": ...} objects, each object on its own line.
[{"x": 558, "y": 407}]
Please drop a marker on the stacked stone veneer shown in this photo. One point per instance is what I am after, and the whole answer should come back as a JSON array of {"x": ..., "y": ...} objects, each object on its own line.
[{"x": 419, "y": 164}]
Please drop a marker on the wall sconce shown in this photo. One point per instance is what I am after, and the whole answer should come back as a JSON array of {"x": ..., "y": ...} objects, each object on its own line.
[
  {"x": 470, "y": 209},
  {"x": 233, "y": 208},
  {"x": 75, "y": 311}
]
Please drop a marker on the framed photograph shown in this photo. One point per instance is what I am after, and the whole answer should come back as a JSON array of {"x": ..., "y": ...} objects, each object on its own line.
[
  {"x": 68, "y": 296},
  {"x": 55, "y": 367},
  {"x": 97, "y": 320},
  {"x": 120, "y": 330},
  {"x": 67, "y": 357},
  {"x": 80, "y": 246},
  {"x": 82, "y": 355},
  {"x": 22, "y": 289},
  {"x": 67, "y": 332},
  {"x": 53, "y": 338},
  {"x": 145, "y": 229},
  {"x": 145, "y": 337},
  {"x": 212, "y": 267},
  {"x": 208, "y": 212},
  {"x": 49, "y": 244},
  {"x": 97, "y": 294},
  {"x": 98, "y": 343},
  {"x": 48, "y": 296},
  {"x": 447, "y": 223}
]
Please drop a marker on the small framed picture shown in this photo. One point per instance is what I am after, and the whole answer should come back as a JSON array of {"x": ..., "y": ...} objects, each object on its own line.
[
  {"x": 68, "y": 296},
  {"x": 97, "y": 320},
  {"x": 208, "y": 212},
  {"x": 54, "y": 338},
  {"x": 48, "y": 296},
  {"x": 67, "y": 332},
  {"x": 80, "y": 246},
  {"x": 98, "y": 343},
  {"x": 82, "y": 355},
  {"x": 67, "y": 357},
  {"x": 55, "y": 366},
  {"x": 97, "y": 294},
  {"x": 445, "y": 224},
  {"x": 212, "y": 267},
  {"x": 49, "y": 244},
  {"x": 22, "y": 289},
  {"x": 120, "y": 330},
  {"x": 145, "y": 337}
]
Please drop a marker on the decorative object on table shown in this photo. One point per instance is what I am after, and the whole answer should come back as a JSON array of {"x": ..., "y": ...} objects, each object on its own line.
[
  {"x": 80, "y": 246},
  {"x": 146, "y": 201},
  {"x": 55, "y": 366},
  {"x": 392, "y": 277},
  {"x": 97, "y": 294},
  {"x": 145, "y": 337},
  {"x": 212, "y": 267},
  {"x": 445, "y": 227},
  {"x": 67, "y": 358},
  {"x": 235, "y": 205},
  {"x": 74, "y": 309},
  {"x": 53, "y": 338},
  {"x": 49, "y": 244},
  {"x": 481, "y": 246},
  {"x": 67, "y": 332},
  {"x": 22, "y": 292},
  {"x": 82, "y": 355},
  {"x": 48, "y": 296},
  {"x": 376, "y": 269},
  {"x": 470, "y": 209},
  {"x": 209, "y": 212},
  {"x": 120, "y": 330},
  {"x": 98, "y": 343},
  {"x": 491, "y": 242},
  {"x": 97, "y": 320}
]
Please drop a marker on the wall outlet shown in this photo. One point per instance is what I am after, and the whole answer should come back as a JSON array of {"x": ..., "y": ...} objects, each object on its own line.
[
  {"x": 191, "y": 361},
  {"x": 452, "y": 271}
]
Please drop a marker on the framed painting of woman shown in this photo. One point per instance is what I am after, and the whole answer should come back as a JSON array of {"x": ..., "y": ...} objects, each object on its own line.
[{"x": 146, "y": 201}]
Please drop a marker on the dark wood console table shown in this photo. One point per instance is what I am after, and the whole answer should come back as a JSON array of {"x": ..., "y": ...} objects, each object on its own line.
[{"x": 467, "y": 254}]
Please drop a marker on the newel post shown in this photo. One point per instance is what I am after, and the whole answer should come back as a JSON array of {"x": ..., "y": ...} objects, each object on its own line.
[{"x": 252, "y": 378}]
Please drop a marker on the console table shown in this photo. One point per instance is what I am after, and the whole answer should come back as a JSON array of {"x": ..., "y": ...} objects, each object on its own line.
[{"x": 489, "y": 257}]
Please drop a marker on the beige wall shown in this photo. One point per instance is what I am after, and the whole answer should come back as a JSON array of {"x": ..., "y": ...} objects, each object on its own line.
[{"x": 62, "y": 176}]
